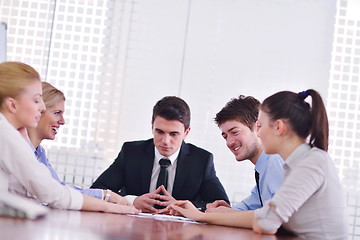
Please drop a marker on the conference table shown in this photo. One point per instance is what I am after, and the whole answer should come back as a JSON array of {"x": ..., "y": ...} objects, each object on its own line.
[{"x": 64, "y": 224}]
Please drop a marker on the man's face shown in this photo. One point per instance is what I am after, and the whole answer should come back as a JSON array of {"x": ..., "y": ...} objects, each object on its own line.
[
  {"x": 168, "y": 135},
  {"x": 240, "y": 139}
]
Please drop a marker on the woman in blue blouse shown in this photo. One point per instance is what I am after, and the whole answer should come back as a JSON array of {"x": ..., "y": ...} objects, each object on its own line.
[
  {"x": 21, "y": 106},
  {"x": 51, "y": 120}
]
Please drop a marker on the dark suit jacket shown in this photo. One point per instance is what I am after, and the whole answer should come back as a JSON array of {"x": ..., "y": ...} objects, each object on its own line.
[{"x": 195, "y": 178}]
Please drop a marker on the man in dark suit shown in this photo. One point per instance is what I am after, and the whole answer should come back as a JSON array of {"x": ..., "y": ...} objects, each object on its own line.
[{"x": 189, "y": 173}]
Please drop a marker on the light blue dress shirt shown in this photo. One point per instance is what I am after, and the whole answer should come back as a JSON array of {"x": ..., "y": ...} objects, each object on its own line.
[
  {"x": 271, "y": 172},
  {"x": 41, "y": 156}
]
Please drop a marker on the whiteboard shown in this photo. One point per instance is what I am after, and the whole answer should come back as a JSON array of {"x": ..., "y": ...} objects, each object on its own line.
[{"x": 3, "y": 28}]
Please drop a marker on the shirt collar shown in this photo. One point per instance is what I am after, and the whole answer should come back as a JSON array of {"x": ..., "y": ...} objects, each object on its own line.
[
  {"x": 33, "y": 149},
  {"x": 296, "y": 156},
  {"x": 172, "y": 158},
  {"x": 260, "y": 165},
  {"x": 39, "y": 151}
]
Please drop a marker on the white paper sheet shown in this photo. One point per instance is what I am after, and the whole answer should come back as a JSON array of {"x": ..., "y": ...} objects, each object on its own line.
[{"x": 163, "y": 217}]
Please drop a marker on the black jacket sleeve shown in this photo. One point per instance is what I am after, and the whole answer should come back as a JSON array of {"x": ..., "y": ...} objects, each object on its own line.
[{"x": 211, "y": 188}]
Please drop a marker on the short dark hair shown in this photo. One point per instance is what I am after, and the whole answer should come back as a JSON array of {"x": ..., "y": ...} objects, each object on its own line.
[
  {"x": 243, "y": 109},
  {"x": 172, "y": 108}
]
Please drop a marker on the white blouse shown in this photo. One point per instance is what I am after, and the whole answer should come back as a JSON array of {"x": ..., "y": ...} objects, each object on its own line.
[
  {"x": 18, "y": 162},
  {"x": 310, "y": 202}
]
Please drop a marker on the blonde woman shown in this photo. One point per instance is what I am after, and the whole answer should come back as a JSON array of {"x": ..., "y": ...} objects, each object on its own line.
[
  {"x": 21, "y": 106},
  {"x": 51, "y": 120}
]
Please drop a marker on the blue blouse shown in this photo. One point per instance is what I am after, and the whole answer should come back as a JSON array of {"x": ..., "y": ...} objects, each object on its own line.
[{"x": 41, "y": 156}]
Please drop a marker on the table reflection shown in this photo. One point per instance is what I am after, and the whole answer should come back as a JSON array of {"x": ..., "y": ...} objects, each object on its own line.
[{"x": 62, "y": 224}]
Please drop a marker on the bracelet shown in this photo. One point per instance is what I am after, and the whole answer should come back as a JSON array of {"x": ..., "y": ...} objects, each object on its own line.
[{"x": 107, "y": 195}]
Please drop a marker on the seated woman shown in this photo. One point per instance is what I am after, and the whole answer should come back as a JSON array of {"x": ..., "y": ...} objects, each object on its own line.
[
  {"x": 310, "y": 203},
  {"x": 21, "y": 106},
  {"x": 50, "y": 121}
]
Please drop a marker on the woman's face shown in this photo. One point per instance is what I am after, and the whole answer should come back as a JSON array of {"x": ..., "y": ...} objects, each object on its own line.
[
  {"x": 266, "y": 133},
  {"x": 51, "y": 120},
  {"x": 29, "y": 106}
]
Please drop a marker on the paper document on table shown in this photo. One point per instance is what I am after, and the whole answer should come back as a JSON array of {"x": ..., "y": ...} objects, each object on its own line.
[{"x": 163, "y": 217}]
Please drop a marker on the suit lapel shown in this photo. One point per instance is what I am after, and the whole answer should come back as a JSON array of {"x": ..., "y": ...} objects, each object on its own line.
[
  {"x": 147, "y": 166},
  {"x": 183, "y": 164}
]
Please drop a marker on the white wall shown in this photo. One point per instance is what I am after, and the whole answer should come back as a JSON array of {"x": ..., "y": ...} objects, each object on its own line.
[
  {"x": 119, "y": 57},
  {"x": 3, "y": 34}
]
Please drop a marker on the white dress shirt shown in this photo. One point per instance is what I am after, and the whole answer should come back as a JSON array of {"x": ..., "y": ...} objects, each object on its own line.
[
  {"x": 310, "y": 202},
  {"x": 156, "y": 170},
  {"x": 171, "y": 170},
  {"x": 29, "y": 177}
]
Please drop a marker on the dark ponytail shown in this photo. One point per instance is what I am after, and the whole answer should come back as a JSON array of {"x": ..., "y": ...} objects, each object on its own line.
[
  {"x": 304, "y": 119},
  {"x": 319, "y": 125}
]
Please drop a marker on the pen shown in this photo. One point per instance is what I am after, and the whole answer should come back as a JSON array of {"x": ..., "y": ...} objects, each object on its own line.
[{"x": 168, "y": 208}]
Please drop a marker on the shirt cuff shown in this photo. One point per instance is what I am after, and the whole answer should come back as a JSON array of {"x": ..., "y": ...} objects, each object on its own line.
[
  {"x": 96, "y": 193},
  {"x": 268, "y": 217},
  {"x": 240, "y": 206},
  {"x": 130, "y": 198},
  {"x": 77, "y": 199}
]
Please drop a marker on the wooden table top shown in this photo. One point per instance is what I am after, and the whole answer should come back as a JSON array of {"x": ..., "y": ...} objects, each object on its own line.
[{"x": 63, "y": 224}]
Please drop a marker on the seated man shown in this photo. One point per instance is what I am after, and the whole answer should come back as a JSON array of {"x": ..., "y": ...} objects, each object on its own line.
[
  {"x": 161, "y": 170},
  {"x": 237, "y": 121}
]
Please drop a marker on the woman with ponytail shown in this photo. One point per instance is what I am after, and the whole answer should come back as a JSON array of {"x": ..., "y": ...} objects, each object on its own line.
[{"x": 310, "y": 203}]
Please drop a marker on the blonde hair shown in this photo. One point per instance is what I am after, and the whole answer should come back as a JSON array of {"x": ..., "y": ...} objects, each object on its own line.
[
  {"x": 14, "y": 78},
  {"x": 51, "y": 95}
]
